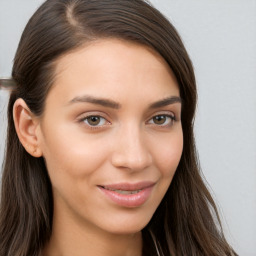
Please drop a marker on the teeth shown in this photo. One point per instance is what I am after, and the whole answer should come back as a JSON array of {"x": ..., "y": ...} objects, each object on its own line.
[{"x": 125, "y": 192}]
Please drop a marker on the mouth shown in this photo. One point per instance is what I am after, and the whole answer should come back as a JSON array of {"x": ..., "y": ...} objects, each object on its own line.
[
  {"x": 123, "y": 192},
  {"x": 127, "y": 194}
]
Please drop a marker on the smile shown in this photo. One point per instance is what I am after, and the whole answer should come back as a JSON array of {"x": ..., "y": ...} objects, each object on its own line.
[
  {"x": 124, "y": 192},
  {"x": 128, "y": 195}
]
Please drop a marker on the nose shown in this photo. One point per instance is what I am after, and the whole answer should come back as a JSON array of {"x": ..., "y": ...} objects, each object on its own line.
[{"x": 131, "y": 150}]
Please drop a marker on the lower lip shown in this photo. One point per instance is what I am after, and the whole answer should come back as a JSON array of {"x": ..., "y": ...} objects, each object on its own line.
[{"x": 128, "y": 200}]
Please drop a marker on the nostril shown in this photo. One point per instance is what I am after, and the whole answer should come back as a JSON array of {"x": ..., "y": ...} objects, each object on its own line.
[
  {"x": 131, "y": 150},
  {"x": 132, "y": 161}
]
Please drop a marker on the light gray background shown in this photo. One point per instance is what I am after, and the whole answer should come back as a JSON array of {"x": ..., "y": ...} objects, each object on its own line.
[{"x": 221, "y": 39}]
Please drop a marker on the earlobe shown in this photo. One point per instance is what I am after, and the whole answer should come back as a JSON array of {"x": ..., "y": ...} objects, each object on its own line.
[{"x": 26, "y": 125}]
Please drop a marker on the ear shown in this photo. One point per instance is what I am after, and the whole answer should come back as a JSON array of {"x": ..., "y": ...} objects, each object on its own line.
[{"x": 26, "y": 125}]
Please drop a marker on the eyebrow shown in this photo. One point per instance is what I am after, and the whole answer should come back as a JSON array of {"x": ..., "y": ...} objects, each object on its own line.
[
  {"x": 165, "y": 102},
  {"x": 115, "y": 105},
  {"x": 99, "y": 101}
]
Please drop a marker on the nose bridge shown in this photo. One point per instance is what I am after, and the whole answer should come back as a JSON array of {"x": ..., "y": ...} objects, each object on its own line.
[{"x": 131, "y": 149}]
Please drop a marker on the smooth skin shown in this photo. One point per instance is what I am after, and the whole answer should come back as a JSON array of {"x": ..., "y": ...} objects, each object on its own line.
[{"x": 111, "y": 116}]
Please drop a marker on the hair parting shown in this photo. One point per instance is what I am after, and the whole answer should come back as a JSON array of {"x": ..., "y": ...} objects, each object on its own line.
[{"x": 187, "y": 220}]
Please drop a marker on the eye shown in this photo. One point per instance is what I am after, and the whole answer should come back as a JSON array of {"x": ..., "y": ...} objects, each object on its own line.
[
  {"x": 162, "y": 120},
  {"x": 95, "y": 120}
]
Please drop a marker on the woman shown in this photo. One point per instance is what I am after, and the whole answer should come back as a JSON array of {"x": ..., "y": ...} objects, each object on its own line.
[{"x": 100, "y": 154}]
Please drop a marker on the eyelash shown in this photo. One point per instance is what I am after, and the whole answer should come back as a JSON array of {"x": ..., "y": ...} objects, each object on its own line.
[
  {"x": 85, "y": 120},
  {"x": 171, "y": 119},
  {"x": 169, "y": 123}
]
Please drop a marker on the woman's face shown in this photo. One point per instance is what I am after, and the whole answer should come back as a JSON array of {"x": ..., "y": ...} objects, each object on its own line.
[{"x": 111, "y": 135}]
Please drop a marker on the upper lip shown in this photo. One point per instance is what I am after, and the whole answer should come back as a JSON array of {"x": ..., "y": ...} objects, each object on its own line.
[{"x": 129, "y": 186}]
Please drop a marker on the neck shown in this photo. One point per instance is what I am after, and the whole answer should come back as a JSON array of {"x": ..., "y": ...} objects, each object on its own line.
[{"x": 69, "y": 238}]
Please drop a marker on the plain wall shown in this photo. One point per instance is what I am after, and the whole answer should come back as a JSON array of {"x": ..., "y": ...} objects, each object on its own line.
[{"x": 220, "y": 37}]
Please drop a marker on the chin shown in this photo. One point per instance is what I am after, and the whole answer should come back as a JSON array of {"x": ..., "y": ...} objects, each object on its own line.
[{"x": 127, "y": 224}]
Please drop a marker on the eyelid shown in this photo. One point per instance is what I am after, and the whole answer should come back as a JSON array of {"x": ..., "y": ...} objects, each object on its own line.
[
  {"x": 83, "y": 117},
  {"x": 170, "y": 115},
  {"x": 163, "y": 113}
]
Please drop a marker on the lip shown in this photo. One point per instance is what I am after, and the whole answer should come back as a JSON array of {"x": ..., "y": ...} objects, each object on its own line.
[{"x": 141, "y": 193}]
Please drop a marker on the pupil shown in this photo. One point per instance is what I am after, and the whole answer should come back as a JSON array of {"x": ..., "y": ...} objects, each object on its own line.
[
  {"x": 159, "y": 119},
  {"x": 94, "y": 120}
]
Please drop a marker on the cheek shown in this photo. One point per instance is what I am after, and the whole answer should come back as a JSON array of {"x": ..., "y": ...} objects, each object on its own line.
[
  {"x": 72, "y": 156},
  {"x": 168, "y": 154}
]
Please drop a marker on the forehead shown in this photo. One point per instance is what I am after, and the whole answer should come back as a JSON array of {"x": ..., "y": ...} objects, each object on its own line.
[{"x": 112, "y": 68}]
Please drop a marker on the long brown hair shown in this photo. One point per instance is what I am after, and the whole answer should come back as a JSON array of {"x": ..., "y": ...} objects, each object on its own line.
[{"x": 186, "y": 222}]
